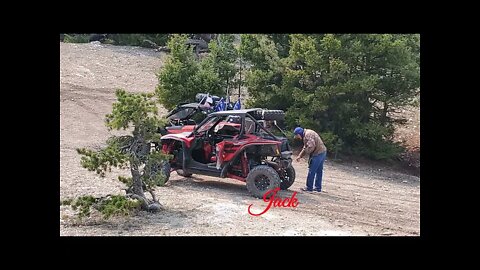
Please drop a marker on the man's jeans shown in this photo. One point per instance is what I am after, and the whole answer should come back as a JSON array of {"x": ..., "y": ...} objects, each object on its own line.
[{"x": 315, "y": 170}]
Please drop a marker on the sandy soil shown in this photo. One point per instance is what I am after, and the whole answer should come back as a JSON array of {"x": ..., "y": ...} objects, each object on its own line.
[{"x": 359, "y": 199}]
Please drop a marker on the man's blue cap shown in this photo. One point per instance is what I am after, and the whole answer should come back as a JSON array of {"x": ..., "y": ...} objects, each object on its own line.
[{"x": 298, "y": 130}]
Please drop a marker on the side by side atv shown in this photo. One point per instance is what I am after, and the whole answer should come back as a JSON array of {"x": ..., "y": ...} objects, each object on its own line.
[
  {"x": 185, "y": 116},
  {"x": 233, "y": 144}
]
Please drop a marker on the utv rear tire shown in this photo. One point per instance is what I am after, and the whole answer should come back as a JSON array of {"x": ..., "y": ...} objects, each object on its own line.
[
  {"x": 288, "y": 178},
  {"x": 269, "y": 115},
  {"x": 261, "y": 179},
  {"x": 182, "y": 173}
]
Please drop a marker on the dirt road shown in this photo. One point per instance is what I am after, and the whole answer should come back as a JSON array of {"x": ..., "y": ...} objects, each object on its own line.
[{"x": 359, "y": 199}]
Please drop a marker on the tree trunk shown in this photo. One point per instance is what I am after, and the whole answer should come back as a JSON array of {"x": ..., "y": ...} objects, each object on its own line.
[
  {"x": 137, "y": 182},
  {"x": 383, "y": 119},
  {"x": 138, "y": 192}
]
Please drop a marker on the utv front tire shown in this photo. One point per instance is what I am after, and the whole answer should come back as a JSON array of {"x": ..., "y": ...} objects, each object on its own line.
[
  {"x": 288, "y": 178},
  {"x": 182, "y": 173},
  {"x": 261, "y": 179},
  {"x": 162, "y": 167}
]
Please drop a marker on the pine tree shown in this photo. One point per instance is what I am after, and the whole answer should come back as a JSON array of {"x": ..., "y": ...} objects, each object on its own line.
[
  {"x": 148, "y": 166},
  {"x": 183, "y": 76},
  {"x": 221, "y": 60},
  {"x": 264, "y": 77},
  {"x": 177, "y": 79},
  {"x": 345, "y": 86}
]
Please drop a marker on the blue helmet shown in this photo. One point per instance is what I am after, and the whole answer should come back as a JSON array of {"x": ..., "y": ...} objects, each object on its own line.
[{"x": 298, "y": 130}]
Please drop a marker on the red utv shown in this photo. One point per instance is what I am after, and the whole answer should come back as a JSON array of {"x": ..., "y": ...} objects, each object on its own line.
[{"x": 233, "y": 144}]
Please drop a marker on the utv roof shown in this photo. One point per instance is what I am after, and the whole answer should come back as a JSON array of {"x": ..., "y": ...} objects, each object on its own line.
[{"x": 235, "y": 112}]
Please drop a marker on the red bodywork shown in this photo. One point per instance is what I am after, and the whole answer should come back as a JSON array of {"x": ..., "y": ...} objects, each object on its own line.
[
  {"x": 183, "y": 137},
  {"x": 186, "y": 128},
  {"x": 233, "y": 144},
  {"x": 226, "y": 150},
  {"x": 190, "y": 128},
  {"x": 229, "y": 149}
]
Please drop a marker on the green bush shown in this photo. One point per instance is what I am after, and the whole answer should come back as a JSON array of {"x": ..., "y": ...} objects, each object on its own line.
[
  {"x": 121, "y": 39},
  {"x": 331, "y": 141},
  {"x": 127, "y": 39},
  {"x": 378, "y": 150},
  {"x": 111, "y": 205},
  {"x": 138, "y": 39},
  {"x": 76, "y": 38},
  {"x": 118, "y": 205}
]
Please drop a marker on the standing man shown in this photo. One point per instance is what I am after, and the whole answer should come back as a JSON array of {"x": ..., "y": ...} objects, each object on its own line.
[{"x": 312, "y": 145}]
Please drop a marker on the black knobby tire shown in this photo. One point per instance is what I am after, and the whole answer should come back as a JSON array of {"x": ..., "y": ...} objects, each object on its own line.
[
  {"x": 269, "y": 115},
  {"x": 182, "y": 173},
  {"x": 261, "y": 179},
  {"x": 164, "y": 167},
  {"x": 288, "y": 178}
]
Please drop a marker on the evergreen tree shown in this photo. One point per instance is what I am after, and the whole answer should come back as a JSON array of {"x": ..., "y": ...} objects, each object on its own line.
[
  {"x": 345, "y": 86},
  {"x": 264, "y": 77},
  {"x": 148, "y": 167},
  {"x": 183, "y": 76},
  {"x": 221, "y": 60},
  {"x": 177, "y": 79}
]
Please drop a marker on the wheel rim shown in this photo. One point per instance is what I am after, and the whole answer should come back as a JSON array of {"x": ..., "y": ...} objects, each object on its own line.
[
  {"x": 155, "y": 168},
  {"x": 262, "y": 182},
  {"x": 286, "y": 178}
]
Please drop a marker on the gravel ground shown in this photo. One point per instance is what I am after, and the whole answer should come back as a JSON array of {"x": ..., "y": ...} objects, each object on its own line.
[{"x": 359, "y": 199}]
